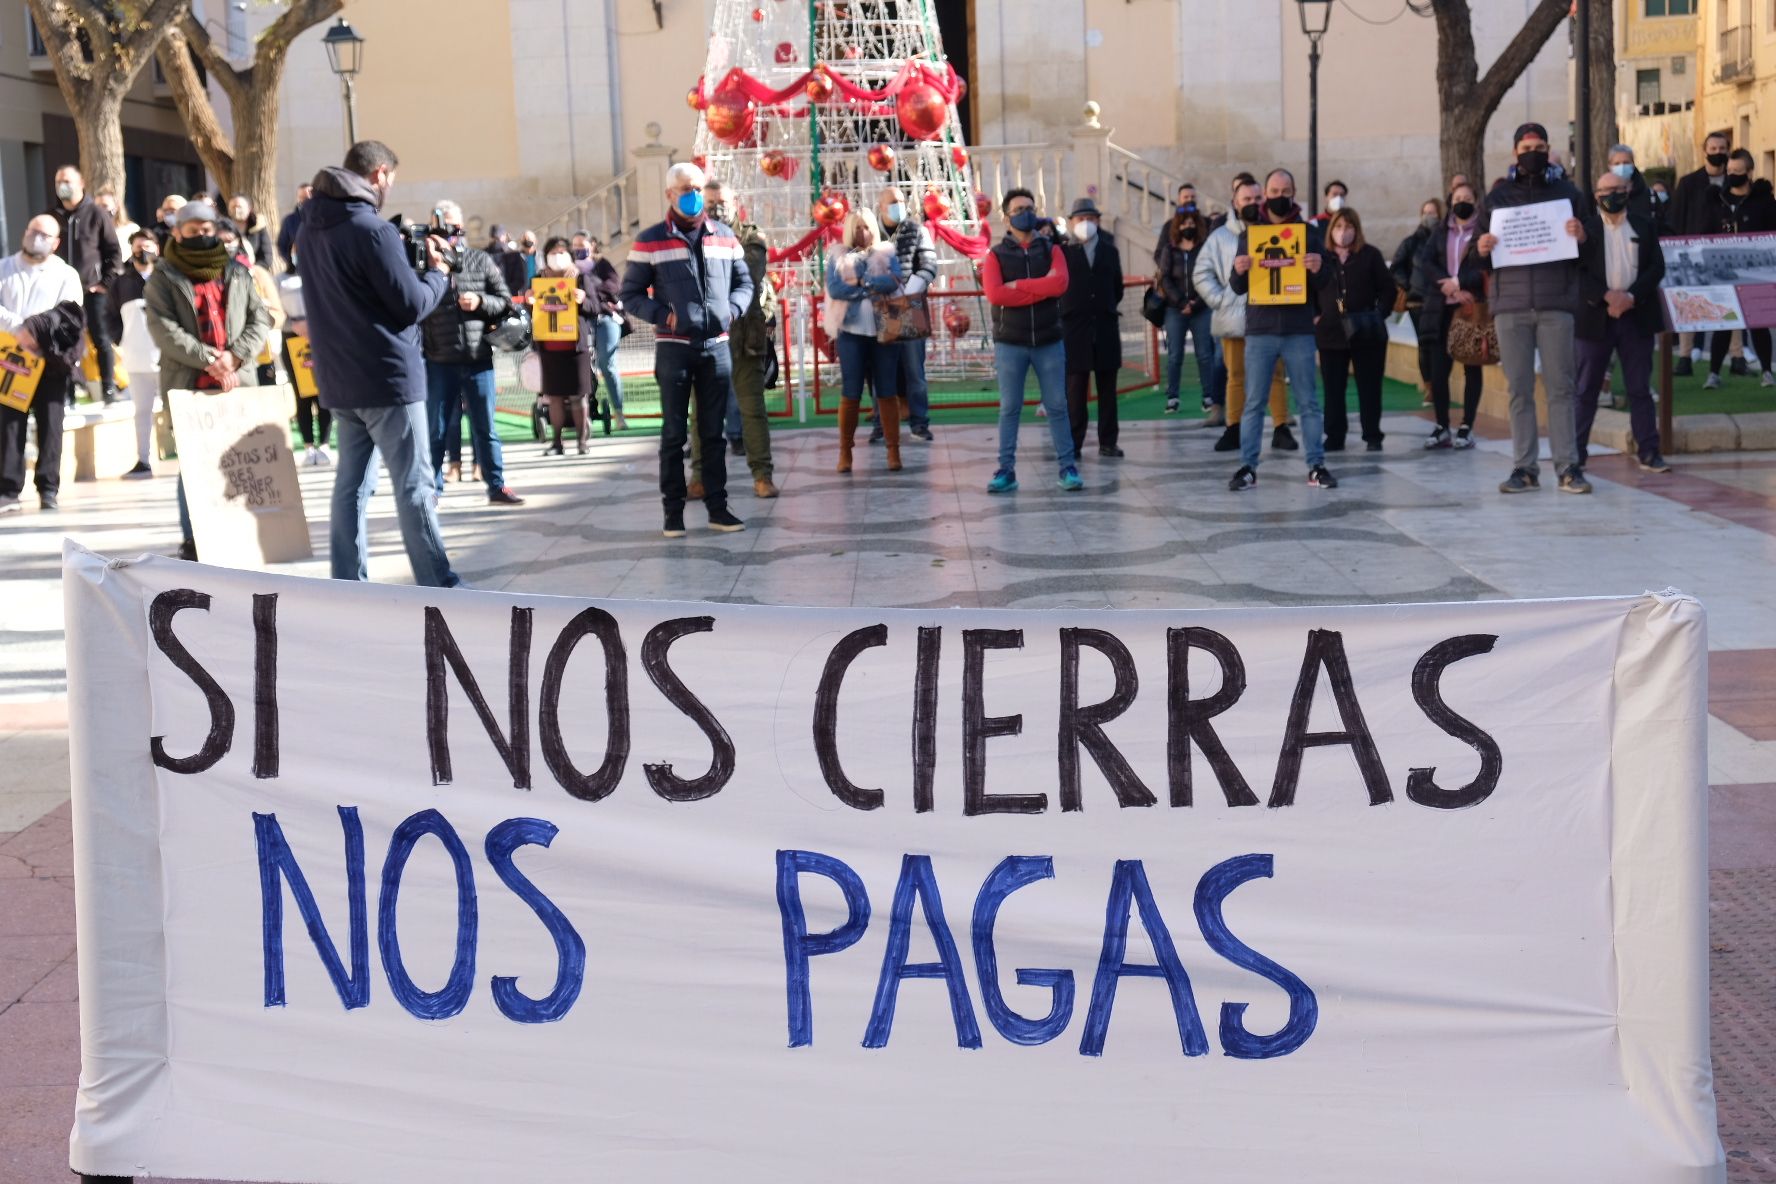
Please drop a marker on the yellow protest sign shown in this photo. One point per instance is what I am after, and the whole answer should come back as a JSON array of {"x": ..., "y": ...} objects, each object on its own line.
[
  {"x": 302, "y": 368},
  {"x": 19, "y": 372},
  {"x": 1278, "y": 275},
  {"x": 556, "y": 316}
]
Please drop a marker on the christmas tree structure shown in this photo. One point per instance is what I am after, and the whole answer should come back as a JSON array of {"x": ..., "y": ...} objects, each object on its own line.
[{"x": 811, "y": 108}]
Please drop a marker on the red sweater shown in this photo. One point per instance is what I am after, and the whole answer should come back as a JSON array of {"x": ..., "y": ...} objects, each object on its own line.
[{"x": 1023, "y": 293}]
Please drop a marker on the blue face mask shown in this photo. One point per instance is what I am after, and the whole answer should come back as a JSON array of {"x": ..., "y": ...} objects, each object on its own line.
[
  {"x": 690, "y": 204},
  {"x": 1024, "y": 221},
  {"x": 1624, "y": 171},
  {"x": 896, "y": 214},
  {"x": 1188, "y": 207}
]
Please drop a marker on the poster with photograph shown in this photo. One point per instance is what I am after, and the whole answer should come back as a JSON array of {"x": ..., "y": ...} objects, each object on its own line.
[{"x": 1719, "y": 281}]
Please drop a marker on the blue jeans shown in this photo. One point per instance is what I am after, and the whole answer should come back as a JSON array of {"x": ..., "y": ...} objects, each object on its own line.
[
  {"x": 606, "y": 335},
  {"x": 446, "y": 385},
  {"x": 399, "y": 434},
  {"x": 1297, "y": 352},
  {"x": 863, "y": 357},
  {"x": 912, "y": 383},
  {"x": 732, "y": 423},
  {"x": 1209, "y": 371},
  {"x": 1014, "y": 363}
]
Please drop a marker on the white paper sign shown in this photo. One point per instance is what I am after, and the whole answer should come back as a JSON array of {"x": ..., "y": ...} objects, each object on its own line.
[
  {"x": 541, "y": 889},
  {"x": 1533, "y": 234}
]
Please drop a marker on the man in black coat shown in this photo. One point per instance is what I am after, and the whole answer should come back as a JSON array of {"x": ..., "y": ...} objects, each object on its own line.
[
  {"x": 459, "y": 358},
  {"x": 1090, "y": 326},
  {"x": 1620, "y": 267},
  {"x": 290, "y": 227},
  {"x": 1691, "y": 203},
  {"x": 507, "y": 258},
  {"x": 1640, "y": 195},
  {"x": 89, "y": 245}
]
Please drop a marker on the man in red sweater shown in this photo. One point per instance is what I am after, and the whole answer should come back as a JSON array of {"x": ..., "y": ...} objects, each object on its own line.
[{"x": 1025, "y": 275}]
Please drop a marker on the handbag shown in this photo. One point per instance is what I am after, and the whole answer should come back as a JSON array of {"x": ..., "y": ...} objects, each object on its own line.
[
  {"x": 902, "y": 317},
  {"x": 1473, "y": 336},
  {"x": 1363, "y": 327},
  {"x": 1153, "y": 306}
]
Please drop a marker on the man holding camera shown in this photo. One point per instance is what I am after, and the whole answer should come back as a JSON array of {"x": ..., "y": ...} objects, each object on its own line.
[
  {"x": 365, "y": 295},
  {"x": 459, "y": 358}
]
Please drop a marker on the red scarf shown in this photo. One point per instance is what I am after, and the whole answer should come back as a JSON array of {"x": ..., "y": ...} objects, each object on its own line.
[{"x": 212, "y": 323}]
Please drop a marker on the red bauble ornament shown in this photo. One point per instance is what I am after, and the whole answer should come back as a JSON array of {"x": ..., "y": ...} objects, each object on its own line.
[
  {"x": 961, "y": 89},
  {"x": 778, "y": 279},
  {"x": 956, "y": 321},
  {"x": 700, "y": 161},
  {"x": 758, "y": 15},
  {"x": 772, "y": 163},
  {"x": 785, "y": 54},
  {"x": 983, "y": 206},
  {"x": 729, "y": 115},
  {"x": 881, "y": 158},
  {"x": 959, "y": 156},
  {"x": 922, "y": 110},
  {"x": 937, "y": 205},
  {"x": 820, "y": 87},
  {"x": 694, "y": 97},
  {"x": 830, "y": 208}
]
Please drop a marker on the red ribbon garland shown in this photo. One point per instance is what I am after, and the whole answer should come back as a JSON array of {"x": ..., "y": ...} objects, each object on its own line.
[
  {"x": 800, "y": 248},
  {"x": 973, "y": 247},
  {"x": 948, "y": 85}
]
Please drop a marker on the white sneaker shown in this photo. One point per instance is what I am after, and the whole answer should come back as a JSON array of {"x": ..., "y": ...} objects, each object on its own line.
[
  {"x": 1769, "y": 379},
  {"x": 1695, "y": 357},
  {"x": 1711, "y": 383},
  {"x": 321, "y": 457},
  {"x": 308, "y": 457}
]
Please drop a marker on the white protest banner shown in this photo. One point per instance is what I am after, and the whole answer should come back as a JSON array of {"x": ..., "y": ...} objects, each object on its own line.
[
  {"x": 1533, "y": 234},
  {"x": 542, "y": 889},
  {"x": 240, "y": 476}
]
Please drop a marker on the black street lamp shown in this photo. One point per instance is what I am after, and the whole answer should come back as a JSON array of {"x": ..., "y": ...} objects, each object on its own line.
[
  {"x": 1315, "y": 16},
  {"x": 345, "y": 53}
]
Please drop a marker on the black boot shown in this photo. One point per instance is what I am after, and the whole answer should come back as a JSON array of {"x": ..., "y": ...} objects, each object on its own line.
[{"x": 1230, "y": 439}]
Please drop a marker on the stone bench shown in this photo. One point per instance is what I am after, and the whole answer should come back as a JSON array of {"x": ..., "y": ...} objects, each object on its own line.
[{"x": 98, "y": 442}]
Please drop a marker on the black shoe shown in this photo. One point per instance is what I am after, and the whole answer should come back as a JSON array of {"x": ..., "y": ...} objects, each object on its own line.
[
  {"x": 1171, "y": 407},
  {"x": 1738, "y": 368},
  {"x": 1573, "y": 481},
  {"x": 188, "y": 551},
  {"x": 1331, "y": 445},
  {"x": 1372, "y": 446},
  {"x": 1520, "y": 481},
  {"x": 1319, "y": 478},
  {"x": 1110, "y": 450},
  {"x": 724, "y": 521},
  {"x": 9, "y": 504},
  {"x": 1283, "y": 438},
  {"x": 737, "y": 447},
  {"x": 503, "y": 496},
  {"x": 1682, "y": 368},
  {"x": 113, "y": 395},
  {"x": 922, "y": 432},
  {"x": 1654, "y": 463},
  {"x": 1230, "y": 439},
  {"x": 47, "y": 501},
  {"x": 675, "y": 525},
  {"x": 554, "y": 450},
  {"x": 1243, "y": 480}
]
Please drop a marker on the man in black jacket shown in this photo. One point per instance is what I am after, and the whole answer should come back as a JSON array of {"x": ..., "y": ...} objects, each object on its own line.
[
  {"x": 1620, "y": 267},
  {"x": 1691, "y": 202},
  {"x": 1533, "y": 305},
  {"x": 1090, "y": 325},
  {"x": 505, "y": 256},
  {"x": 287, "y": 231},
  {"x": 459, "y": 358},
  {"x": 89, "y": 244}
]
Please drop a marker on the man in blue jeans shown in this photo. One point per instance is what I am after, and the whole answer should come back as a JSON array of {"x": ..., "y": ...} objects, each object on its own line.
[
  {"x": 459, "y": 358},
  {"x": 364, "y": 302},
  {"x": 1025, "y": 276},
  {"x": 1283, "y": 331}
]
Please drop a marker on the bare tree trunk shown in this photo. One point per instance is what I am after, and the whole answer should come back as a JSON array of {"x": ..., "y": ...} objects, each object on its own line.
[
  {"x": 199, "y": 116},
  {"x": 1602, "y": 61},
  {"x": 1466, "y": 99},
  {"x": 98, "y": 125},
  {"x": 255, "y": 138}
]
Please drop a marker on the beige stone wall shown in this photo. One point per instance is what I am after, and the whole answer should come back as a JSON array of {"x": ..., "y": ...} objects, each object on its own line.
[{"x": 1744, "y": 106}]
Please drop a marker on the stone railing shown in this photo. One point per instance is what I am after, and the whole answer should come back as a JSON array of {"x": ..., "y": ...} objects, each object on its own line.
[{"x": 610, "y": 213}]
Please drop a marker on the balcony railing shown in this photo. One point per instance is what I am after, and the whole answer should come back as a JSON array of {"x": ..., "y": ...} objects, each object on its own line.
[{"x": 1735, "y": 62}]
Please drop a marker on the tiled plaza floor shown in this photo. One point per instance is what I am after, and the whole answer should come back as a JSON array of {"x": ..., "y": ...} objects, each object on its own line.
[{"x": 1157, "y": 529}]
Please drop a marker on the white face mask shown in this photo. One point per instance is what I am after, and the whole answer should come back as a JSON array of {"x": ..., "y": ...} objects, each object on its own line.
[
  {"x": 1085, "y": 230},
  {"x": 1335, "y": 204},
  {"x": 559, "y": 262},
  {"x": 39, "y": 245},
  {"x": 65, "y": 191}
]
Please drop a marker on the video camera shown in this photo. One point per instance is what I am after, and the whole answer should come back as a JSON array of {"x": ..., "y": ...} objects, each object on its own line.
[{"x": 415, "y": 234}]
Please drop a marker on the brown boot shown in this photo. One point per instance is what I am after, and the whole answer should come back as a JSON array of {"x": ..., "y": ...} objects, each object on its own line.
[
  {"x": 847, "y": 432},
  {"x": 891, "y": 412}
]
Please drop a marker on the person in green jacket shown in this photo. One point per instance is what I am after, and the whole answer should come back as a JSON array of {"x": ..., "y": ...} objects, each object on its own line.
[{"x": 751, "y": 341}]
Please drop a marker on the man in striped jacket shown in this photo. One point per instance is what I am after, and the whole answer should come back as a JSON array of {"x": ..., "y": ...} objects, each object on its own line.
[{"x": 687, "y": 276}]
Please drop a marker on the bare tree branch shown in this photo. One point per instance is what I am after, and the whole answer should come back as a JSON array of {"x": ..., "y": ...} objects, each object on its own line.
[
  {"x": 195, "y": 109},
  {"x": 220, "y": 68},
  {"x": 1510, "y": 64},
  {"x": 295, "y": 20}
]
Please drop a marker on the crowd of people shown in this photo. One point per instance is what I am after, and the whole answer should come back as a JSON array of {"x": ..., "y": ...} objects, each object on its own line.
[{"x": 210, "y": 296}]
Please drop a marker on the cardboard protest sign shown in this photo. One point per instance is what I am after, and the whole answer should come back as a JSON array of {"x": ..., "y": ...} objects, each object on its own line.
[
  {"x": 19, "y": 373},
  {"x": 302, "y": 367},
  {"x": 557, "y": 314},
  {"x": 240, "y": 477},
  {"x": 1719, "y": 281},
  {"x": 1533, "y": 234},
  {"x": 1278, "y": 275},
  {"x": 546, "y": 889}
]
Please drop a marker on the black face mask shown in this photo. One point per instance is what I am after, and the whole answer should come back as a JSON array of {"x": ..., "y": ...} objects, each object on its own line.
[
  {"x": 1613, "y": 203},
  {"x": 1738, "y": 181},
  {"x": 1251, "y": 213},
  {"x": 203, "y": 242},
  {"x": 143, "y": 258},
  {"x": 1532, "y": 164},
  {"x": 1463, "y": 210},
  {"x": 1279, "y": 207},
  {"x": 1717, "y": 160}
]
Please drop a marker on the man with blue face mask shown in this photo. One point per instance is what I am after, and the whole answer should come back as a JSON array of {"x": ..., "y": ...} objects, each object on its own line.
[
  {"x": 1640, "y": 196},
  {"x": 687, "y": 276}
]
